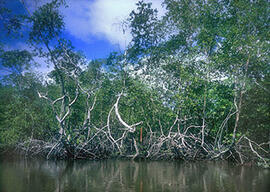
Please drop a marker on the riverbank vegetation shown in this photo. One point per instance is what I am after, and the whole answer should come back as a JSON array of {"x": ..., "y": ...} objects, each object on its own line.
[{"x": 192, "y": 85}]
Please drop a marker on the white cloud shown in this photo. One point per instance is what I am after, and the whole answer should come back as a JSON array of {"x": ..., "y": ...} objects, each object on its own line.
[
  {"x": 102, "y": 19},
  {"x": 42, "y": 67},
  {"x": 106, "y": 17},
  {"x": 90, "y": 19}
]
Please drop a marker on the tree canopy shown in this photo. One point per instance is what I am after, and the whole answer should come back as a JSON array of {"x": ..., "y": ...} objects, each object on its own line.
[{"x": 192, "y": 84}]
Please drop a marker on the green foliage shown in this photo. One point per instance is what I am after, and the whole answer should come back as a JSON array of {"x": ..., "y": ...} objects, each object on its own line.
[
  {"x": 16, "y": 60},
  {"x": 23, "y": 114},
  {"x": 255, "y": 119},
  {"x": 202, "y": 68},
  {"x": 142, "y": 24},
  {"x": 47, "y": 23},
  {"x": 209, "y": 54}
]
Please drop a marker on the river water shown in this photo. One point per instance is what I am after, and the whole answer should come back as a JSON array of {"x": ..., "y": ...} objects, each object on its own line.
[{"x": 116, "y": 175}]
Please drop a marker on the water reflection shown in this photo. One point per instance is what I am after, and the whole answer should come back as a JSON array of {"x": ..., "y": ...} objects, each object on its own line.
[{"x": 115, "y": 175}]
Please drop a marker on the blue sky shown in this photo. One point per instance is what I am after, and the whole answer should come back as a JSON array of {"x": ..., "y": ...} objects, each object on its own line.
[{"x": 93, "y": 26}]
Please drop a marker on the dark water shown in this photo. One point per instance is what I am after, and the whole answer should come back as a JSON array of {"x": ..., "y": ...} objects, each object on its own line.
[{"x": 115, "y": 175}]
